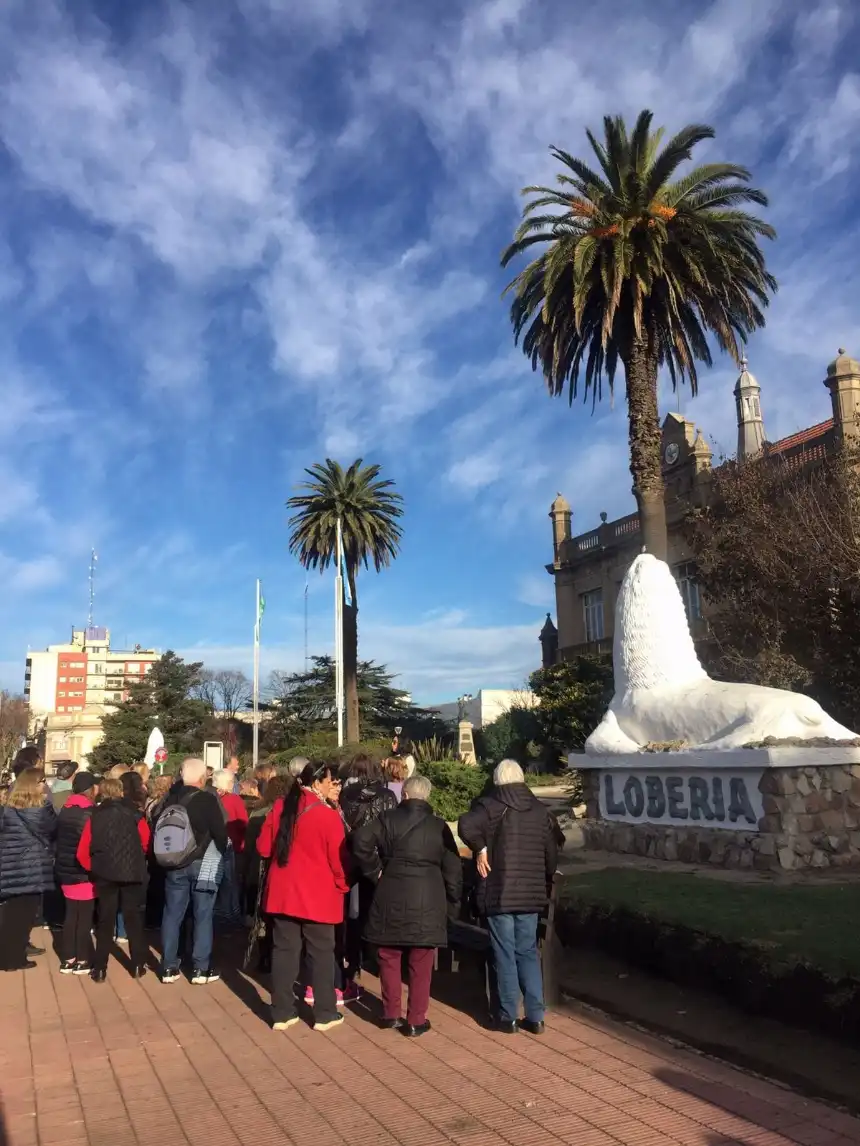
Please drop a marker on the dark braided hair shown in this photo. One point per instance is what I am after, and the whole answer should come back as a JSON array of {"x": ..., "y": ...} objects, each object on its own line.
[{"x": 315, "y": 771}]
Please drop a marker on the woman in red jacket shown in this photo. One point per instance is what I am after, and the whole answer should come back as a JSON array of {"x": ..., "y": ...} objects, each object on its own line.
[{"x": 304, "y": 838}]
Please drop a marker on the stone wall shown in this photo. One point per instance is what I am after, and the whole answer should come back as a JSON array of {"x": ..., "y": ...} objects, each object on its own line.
[{"x": 812, "y": 820}]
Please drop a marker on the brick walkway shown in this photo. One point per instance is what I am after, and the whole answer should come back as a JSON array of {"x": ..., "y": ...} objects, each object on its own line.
[{"x": 140, "y": 1063}]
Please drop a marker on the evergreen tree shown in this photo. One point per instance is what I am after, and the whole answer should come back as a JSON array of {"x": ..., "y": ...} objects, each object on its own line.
[{"x": 163, "y": 698}]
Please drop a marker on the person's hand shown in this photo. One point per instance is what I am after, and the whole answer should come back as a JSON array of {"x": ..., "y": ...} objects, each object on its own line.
[{"x": 484, "y": 868}]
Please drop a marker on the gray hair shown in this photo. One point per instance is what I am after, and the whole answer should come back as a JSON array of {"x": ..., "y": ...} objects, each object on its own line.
[
  {"x": 223, "y": 780},
  {"x": 417, "y": 788},
  {"x": 297, "y": 765},
  {"x": 193, "y": 771},
  {"x": 508, "y": 772}
]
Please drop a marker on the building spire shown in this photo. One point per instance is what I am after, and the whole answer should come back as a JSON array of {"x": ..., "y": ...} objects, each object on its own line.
[{"x": 751, "y": 437}]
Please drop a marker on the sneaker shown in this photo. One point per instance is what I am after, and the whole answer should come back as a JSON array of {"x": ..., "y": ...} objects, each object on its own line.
[
  {"x": 286, "y": 1024},
  {"x": 309, "y": 996},
  {"x": 329, "y": 1024},
  {"x": 351, "y": 992},
  {"x": 67, "y": 967},
  {"x": 170, "y": 974},
  {"x": 81, "y": 969},
  {"x": 204, "y": 975},
  {"x": 123, "y": 939}
]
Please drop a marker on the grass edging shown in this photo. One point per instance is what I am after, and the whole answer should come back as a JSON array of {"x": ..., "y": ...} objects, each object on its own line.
[{"x": 800, "y": 995}]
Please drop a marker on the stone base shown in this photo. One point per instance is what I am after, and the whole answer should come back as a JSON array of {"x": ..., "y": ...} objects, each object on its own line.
[{"x": 812, "y": 820}]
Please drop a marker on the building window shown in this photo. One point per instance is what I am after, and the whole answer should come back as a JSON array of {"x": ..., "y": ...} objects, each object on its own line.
[
  {"x": 63, "y": 679},
  {"x": 61, "y": 708},
  {"x": 62, "y": 692},
  {"x": 592, "y": 612},
  {"x": 685, "y": 575}
]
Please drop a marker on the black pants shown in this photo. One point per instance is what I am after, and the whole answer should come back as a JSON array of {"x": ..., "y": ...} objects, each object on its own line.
[
  {"x": 77, "y": 943},
  {"x": 354, "y": 929},
  {"x": 129, "y": 898},
  {"x": 17, "y": 918},
  {"x": 290, "y": 935}
]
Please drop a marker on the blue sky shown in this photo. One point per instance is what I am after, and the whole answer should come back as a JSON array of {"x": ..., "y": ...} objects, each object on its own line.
[{"x": 236, "y": 238}]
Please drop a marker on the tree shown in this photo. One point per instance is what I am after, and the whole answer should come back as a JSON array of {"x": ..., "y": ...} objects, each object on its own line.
[
  {"x": 368, "y": 509},
  {"x": 225, "y": 691},
  {"x": 162, "y": 697},
  {"x": 778, "y": 558},
  {"x": 639, "y": 266},
  {"x": 14, "y": 721},
  {"x": 301, "y": 705},
  {"x": 573, "y": 697}
]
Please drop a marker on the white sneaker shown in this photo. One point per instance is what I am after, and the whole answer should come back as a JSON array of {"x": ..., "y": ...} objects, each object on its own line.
[
  {"x": 170, "y": 976},
  {"x": 204, "y": 975},
  {"x": 121, "y": 939},
  {"x": 285, "y": 1026}
]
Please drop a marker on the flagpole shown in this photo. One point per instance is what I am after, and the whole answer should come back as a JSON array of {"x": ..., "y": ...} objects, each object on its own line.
[
  {"x": 338, "y": 633},
  {"x": 256, "y": 749}
]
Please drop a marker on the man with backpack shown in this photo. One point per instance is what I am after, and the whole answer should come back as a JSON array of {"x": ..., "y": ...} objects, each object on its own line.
[{"x": 189, "y": 839}]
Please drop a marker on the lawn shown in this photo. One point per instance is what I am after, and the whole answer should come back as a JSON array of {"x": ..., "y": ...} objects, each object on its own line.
[{"x": 815, "y": 924}]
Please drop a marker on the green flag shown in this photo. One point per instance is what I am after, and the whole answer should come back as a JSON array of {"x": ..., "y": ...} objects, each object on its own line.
[{"x": 261, "y": 608}]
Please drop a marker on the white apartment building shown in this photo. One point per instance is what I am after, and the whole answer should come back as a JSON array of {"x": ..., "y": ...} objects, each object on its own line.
[{"x": 486, "y": 705}]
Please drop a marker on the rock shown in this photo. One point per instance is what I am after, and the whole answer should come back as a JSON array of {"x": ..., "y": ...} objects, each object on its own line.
[
  {"x": 832, "y": 820},
  {"x": 840, "y": 779},
  {"x": 670, "y": 848},
  {"x": 819, "y": 859},
  {"x": 787, "y": 859},
  {"x": 803, "y": 846},
  {"x": 804, "y": 787},
  {"x": 773, "y": 805},
  {"x": 767, "y": 846}
]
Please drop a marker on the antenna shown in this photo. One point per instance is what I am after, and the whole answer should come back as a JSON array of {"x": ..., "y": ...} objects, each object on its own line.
[
  {"x": 306, "y": 622},
  {"x": 93, "y": 560}
]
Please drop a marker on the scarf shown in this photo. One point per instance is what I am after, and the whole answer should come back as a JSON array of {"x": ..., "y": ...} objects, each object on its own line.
[{"x": 210, "y": 870}]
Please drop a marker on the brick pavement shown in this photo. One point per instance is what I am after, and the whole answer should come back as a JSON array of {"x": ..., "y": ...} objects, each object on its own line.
[{"x": 141, "y": 1064}]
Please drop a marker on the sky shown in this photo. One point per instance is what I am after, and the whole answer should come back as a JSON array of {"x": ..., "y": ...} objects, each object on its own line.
[{"x": 238, "y": 238}]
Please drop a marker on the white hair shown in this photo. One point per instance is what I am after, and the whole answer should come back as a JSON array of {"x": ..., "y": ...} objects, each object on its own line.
[
  {"x": 297, "y": 765},
  {"x": 193, "y": 771},
  {"x": 223, "y": 780},
  {"x": 508, "y": 772},
  {"x": 417, "y": 788}
]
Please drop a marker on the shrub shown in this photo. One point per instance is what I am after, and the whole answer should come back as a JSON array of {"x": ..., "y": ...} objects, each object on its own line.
[
  {"x": 455, "y": 786},
  {"x": 432, "y": 751},
  {"x": 321, "y": 748}
]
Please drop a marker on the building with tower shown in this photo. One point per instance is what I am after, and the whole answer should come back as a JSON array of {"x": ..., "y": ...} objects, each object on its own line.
[{"x": 588, "y": 568}]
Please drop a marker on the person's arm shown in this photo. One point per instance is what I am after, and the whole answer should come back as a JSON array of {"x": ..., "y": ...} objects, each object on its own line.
[
  {"x": 144, "y": 833},
  {"x": 266, "y": 838},
  {"x": 364, "y": 845},
  {"x": 550, "y": 851},
  {"x": 473, "y": 827},
  {"x": 452, "y": 869},
  {"x": 50, "y": 816},
  {"x": 335, "y": 847},
  {"x": 83, "y": 851},
  {"x": 217, "y": 823}
]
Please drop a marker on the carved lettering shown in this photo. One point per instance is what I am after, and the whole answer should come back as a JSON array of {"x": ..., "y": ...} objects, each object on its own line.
[
  {"x": 656, "y": 797},
  {"x": 675, "y": 796},
  {"x": 739, "y": 802},
  {"x": 719, "y": 798},
  {"x": 614, "y": 807},
  {"x": 700, "y": 807},
  {"x": 634, "y": 796}
]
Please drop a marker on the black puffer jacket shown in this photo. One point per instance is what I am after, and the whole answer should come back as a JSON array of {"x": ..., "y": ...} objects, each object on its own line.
[
  {"x": 116, "y": 851},
  {"x": 360, "y": 803},
  {"x": 27, "y": 849},
  {"x": 421, "y": 876},
  {"x": 522, "y": 848},
  {"x": 70, "y": 827}
]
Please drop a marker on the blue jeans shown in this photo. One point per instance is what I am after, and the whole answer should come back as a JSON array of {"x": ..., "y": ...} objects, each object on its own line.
[
  {"x": 120, "y": 926},
  {"x": 179, "y": 890},
  {"x": 514, "y": 942}
]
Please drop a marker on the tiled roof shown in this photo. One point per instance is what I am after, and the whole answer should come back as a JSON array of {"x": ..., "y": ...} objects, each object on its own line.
[{"x": 802, "y": 438}]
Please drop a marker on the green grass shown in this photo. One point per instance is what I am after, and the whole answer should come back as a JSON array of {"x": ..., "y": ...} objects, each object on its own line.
[{"x": 819, "y": 924}]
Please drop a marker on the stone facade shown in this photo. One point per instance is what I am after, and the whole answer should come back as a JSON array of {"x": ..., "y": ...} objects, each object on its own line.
[{"x": 812, "y": 820}]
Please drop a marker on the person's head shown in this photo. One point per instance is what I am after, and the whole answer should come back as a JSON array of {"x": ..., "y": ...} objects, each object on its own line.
[
  {"x": 133, "y": 790},
  {"x": 194, "y": 772},
  {"x": 233, "y": 765},
  {"x": 85, "y": 785},
  {"x": 417, "y": 788},
  {"x": 28, "y": 791},
  {"x": 394, "y": 769},
  {"x": 159, "y": 786},
  {"x": 249, "y": 789},
  {"x": 508, "y": 772},
  {"x": 222, "y": 781},
  {"x": 66, "y": 769},
  {"x": 117, "y": 771},
  {"x": 320, "y": 777},
  {"x": 110, "y": 789},
  {"x": 362, "y": 767},
  {"x": 264, "y": 772},
  {"x": 404, "y": 746},
  {"x": 142, "y": 770},
  {"x": 276, "y": 787},
  {"x": 27, "y": 757},
  {"x": 297, "y": 765}
]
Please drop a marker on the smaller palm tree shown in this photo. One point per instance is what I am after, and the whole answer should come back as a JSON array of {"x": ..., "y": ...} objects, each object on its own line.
[{"x": 368, "y": 508}]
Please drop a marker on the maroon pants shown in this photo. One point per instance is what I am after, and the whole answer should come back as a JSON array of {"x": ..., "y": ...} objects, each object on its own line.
[{"x": 421, "y": 960}]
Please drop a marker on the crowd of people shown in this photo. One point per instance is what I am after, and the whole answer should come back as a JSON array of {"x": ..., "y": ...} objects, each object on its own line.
[{"x": 325, "y": 865}]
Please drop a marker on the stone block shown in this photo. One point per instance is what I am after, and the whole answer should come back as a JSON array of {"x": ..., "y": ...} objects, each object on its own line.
[
  {"x": 790, "y": 822},
  {"x": 816, "y": 778},
  {"x": 803, "y": 846},
  {"x": 766, "y": 846},
  {"x": 815, "y": 802},
  {"x": 778, "y": 781},
  {"x": 796, "y": 805},
  {"x": 763, "y": 862},
  {"x": 787, "y": 859},
  {"x": 819, "y": 859},
  {"x": 840, "y": 779},
  {"x": 854, "y": 841},
  {"x": 770, "y": 823},
  {"x": 746, "y": 860},
  {"x": 807, "y": 823},
  {"x": 773, "y": 805},
  {"x": 804, "y": 785},
  {"x": 705, "y": 851},
  {"x": 833, "y": 820}
]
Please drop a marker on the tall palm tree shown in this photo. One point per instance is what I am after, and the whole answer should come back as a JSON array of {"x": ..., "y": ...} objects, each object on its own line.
[
  {"x": 368, "y": 508},
  {"x": 639, "y": 265}
]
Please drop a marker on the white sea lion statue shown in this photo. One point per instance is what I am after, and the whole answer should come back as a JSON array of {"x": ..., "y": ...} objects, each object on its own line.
[{"x": 663, "y": 695}]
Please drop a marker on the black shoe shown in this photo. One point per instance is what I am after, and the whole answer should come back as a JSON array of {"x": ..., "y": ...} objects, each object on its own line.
[
  {"x": 532, "y": 1028},
  {"x": 392, "y": 1024},
  {"x": 67, "y": 966},
  {"x": 98, "y": 974},
  {"x": 138, "y": 972},
  {"x": 506, "y": 1026},
  {"x": 415, "y": 1032},
  {"x": 32, "y": 949}
]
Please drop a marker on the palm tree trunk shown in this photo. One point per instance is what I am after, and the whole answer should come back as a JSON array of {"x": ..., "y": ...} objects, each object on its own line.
[
  {"x": 350, "y": 663},
  {"x": 645, "y": 439}
]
